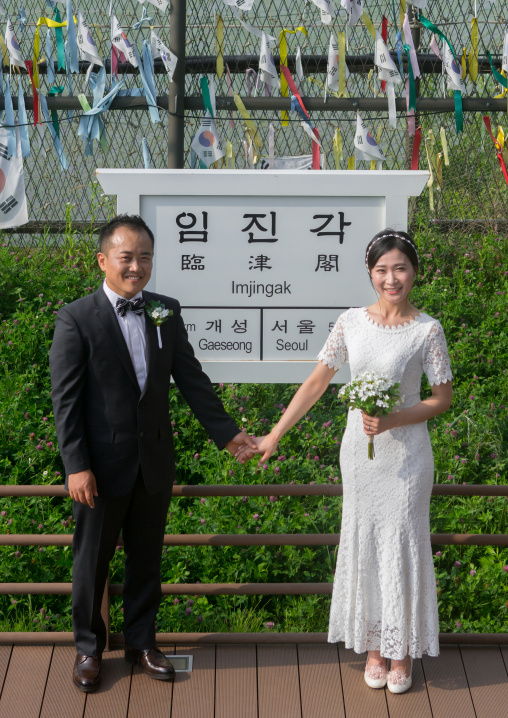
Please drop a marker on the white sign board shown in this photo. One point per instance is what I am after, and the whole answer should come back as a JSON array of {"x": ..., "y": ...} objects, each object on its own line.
[{"x": 263, "y": 263}]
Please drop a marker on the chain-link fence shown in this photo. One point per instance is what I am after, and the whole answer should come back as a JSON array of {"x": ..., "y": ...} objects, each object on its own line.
[{"x": 472, "y": 186}]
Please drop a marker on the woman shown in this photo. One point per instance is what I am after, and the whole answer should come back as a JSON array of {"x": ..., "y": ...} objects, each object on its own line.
[{"x": 384, "y": 596}]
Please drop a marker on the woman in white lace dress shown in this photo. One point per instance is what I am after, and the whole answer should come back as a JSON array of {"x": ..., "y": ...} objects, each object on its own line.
[{"x": 384, "y": 596}]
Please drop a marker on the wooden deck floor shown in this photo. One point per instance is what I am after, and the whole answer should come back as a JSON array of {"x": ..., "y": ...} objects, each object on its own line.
[{"x": 249, "y": 681}]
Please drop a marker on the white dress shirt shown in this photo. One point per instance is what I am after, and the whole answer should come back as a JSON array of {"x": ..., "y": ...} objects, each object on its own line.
[{"x": 133, "y": 330}]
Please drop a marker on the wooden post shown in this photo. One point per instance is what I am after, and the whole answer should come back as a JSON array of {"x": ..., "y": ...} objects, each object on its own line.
[
  {"x": 176, "y": 94},
  {"x": 105, "y": 613}
]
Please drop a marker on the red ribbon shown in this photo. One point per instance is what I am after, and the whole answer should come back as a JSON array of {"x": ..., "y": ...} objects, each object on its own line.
[
  {"x": 316, "y": 165},
  {"x": 384, "y": 35},
  {"x": 29, "y": 67},
  {"x": 292, "y": 87},
  {"x": 416, "y": 149},
  {"x": 114, "y": 61},
  {"x": 499, "y": 154}
]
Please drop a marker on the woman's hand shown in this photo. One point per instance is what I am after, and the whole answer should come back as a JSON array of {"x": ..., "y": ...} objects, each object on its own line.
[
  {"x": 374, "y": 425},
  {"x": 266, "y": 445}
]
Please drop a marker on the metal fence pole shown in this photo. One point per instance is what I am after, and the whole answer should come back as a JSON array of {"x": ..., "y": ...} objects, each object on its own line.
[{"x": 176, "y": 94}]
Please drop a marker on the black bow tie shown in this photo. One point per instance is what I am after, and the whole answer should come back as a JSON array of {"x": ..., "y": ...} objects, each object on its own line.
[{"x": 123, "y": 305}]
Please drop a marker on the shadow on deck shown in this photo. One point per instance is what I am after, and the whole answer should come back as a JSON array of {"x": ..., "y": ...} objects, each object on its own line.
[{"x": 256, "y": 681}]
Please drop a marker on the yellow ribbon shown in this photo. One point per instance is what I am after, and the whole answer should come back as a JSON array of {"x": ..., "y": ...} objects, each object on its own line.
[
  {"x": 473, "y": 57},
  {"x": 444, "y": 145},
  {"x": 351, "y": 163},
  {"x": 283, "y": 53},
  {"x": 248, "y": 121},
  {"x": 98, "y": 35},
  {"x": 464, "y": 63},
  {"x": 430, "y": 144},
  {"x": 220, "y": 46},
  {"x": 337, "y": 148},
  {"x": 342, "y": 64},
  {"x": 50, "y": 23},
  {"x": 373, "y": 163},
  {"x": 503, "y": 94},
  {"x": 230, "y": 158},
  {"x": 439, "y": 170},
  {"x": 369, "y": 25},
  {"x": 5, "y": 52},
  {"x": 402, "y": 11}
]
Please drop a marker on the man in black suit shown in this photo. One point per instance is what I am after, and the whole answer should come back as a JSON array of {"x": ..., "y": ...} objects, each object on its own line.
[{"x": 110, "y": 373}]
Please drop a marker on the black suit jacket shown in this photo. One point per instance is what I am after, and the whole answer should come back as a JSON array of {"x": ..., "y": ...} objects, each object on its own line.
[{"x": 103, "y": 421}]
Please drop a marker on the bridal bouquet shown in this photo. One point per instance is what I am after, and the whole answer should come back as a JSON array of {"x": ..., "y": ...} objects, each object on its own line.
[{"x": 372, "y": 394}]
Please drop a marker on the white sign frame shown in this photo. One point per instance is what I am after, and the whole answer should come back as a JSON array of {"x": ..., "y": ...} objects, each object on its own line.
[{"x": 392, "y": 188}]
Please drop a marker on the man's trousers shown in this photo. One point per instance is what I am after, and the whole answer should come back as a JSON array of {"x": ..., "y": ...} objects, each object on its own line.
[{"x": 141, "y": 518}]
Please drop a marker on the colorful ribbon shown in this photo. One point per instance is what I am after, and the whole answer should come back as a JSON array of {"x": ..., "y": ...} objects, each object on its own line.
[
  {"x": 220, "y": 46},
  {"x": 29, "y": 69},
  {"x": 248, "y": 121},
  {"x": 337, "y": 148},
  {"x": 9, "y": 120},
  {"x": 341, "y": 43},
  {"x": 71, "y": 38},
  {"x": 501, "y": 80},
  {"x": 56, "y": 140},
  {"x": 293, "y": 88},
  {"x": 497, "y": 144},
  {"x": 23, "y": 122},
  {"x": 384, "y": 35},
  {"x": 415, "y": 156},
  {"x": 146, "y": 153},
  {"x": 473, "y": 58},
  {"x": 54, "y": 114},
  {"x": 283, "y": 53}
]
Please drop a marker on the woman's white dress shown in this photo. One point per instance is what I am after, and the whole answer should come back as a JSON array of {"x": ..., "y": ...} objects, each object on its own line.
[{"x": 384, "y": 593}]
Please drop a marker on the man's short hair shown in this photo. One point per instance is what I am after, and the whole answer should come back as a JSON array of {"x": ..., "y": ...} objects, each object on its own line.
[{"x": 122, "y": 220}]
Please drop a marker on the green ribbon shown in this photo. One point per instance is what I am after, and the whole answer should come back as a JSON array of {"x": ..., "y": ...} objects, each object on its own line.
[
  {"x": 207, "y": 101},
  {"x": 430, "y": 26},
  {"x": 54, "y": 114},
  {"x": 60, "y": 47},
  {"x": 502, "y": 80},
  {"x": 412, "y": 87},
  {"x": 459, "y": 117}
]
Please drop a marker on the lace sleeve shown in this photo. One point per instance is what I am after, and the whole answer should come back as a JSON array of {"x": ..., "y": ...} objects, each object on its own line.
[
  {"x": 334, "y": 352},
  {"x": 436, "y": 362}
]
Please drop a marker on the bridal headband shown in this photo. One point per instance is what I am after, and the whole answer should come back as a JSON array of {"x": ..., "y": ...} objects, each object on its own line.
[{"x": 384, "y": 236}]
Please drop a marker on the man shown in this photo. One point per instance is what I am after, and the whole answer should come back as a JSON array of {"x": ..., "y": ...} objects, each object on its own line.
[{"x": 110, "y": 372}]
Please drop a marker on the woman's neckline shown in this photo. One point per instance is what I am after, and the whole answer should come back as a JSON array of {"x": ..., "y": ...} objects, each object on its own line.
[{"x": 391, "y": 327}]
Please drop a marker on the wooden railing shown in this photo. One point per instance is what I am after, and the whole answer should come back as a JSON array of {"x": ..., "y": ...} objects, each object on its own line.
[{"x": 222, "y": 589}]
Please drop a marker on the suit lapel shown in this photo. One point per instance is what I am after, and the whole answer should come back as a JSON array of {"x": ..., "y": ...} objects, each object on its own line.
[{"x": 113, "y": 333}]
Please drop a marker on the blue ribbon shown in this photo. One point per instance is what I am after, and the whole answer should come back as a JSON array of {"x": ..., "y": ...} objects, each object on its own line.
[
  {"x": 22, "y": 20},
  {"x": 149, "y": 93},
  {"x": 70, "y": 113},
  {"x": 23, "y": 122},
  {"x": 399, "y": 52},
  {"x": 71, "y": 38},
  {"x": 91, "y": 126},
  {"x": 49, "y": 59},
  {"x": 144, "y": 18},
  {"x": 56, "y": 140},
  {"x": 146, "y": 154},
  {"x": 9, "y": 120},
  {"x": 295, "y": 105}
]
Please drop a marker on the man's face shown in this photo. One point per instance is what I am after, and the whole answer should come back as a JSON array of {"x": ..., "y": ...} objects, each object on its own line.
[{"x": 128, "y": 261}]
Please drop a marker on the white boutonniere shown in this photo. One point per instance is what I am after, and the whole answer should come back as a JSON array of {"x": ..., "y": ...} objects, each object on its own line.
[{"x": 158, "y": 314}]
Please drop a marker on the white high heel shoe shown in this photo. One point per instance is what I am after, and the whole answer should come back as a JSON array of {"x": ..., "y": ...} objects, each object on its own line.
[
  {"x": 398, "y": 682},
  {"x": 376, "y": 676}
]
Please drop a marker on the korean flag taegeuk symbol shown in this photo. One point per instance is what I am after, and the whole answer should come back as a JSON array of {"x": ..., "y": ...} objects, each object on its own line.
[
  {"x": 206, "y": 144},
  {"x": 120, "y": 41},
  {"x": 366, "y": 146},
  {"x": 13, "y": 208},
  {"x": 86, "y": 44},
  {"x": 455, "y": 81},
  {"x": 12, "y": 45}
]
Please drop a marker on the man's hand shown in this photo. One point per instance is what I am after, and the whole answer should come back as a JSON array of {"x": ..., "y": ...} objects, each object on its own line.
[
  {"x": 83, "y": 487},
  {"x": 241, "y": 439},
  {"x": 266, "y": 445}
]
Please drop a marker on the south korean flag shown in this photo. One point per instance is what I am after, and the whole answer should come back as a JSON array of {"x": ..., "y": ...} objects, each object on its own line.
[
  {"x": 387, "y": 69},
  {"x": 12, "y": 45},
  {"x": 161, "y": 4},
  {"x": 240, "y": 4},
  {"x": 354, "y": 9},
  {"x": 120, "y": 41},
  {"x": 168, "y": 58},
  {"x": 267, "y": 69},
  {"x": 13, "y": 208},
  {"x": 455, "y": 81},
  {"x": 87, "y": 47},
  {"x": 206, "y": 144},
  {"x": 366, "y": 146},
  {"x": 332, "y": 70}
]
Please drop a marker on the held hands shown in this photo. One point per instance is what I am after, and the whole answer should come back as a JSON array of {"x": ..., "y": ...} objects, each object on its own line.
[
  {"x": 374, "y": 425},
  {"x": 83, "y": 487},
  {"x": 242, "y": 441},
  {"x": 265, "y": 445}
]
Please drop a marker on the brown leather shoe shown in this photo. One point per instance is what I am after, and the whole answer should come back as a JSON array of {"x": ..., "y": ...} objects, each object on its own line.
[
  {"x": 152, "y": 661},
  {"x": 87, "y": 672}
]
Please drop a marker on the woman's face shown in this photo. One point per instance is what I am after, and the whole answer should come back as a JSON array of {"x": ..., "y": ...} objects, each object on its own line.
[{"x": 393, "y": 276}]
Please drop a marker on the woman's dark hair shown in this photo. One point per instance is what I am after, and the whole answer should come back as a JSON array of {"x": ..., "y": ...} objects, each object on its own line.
[
  {"x": 122, "y": 220},
  {"x": 389, "y": 239}
]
